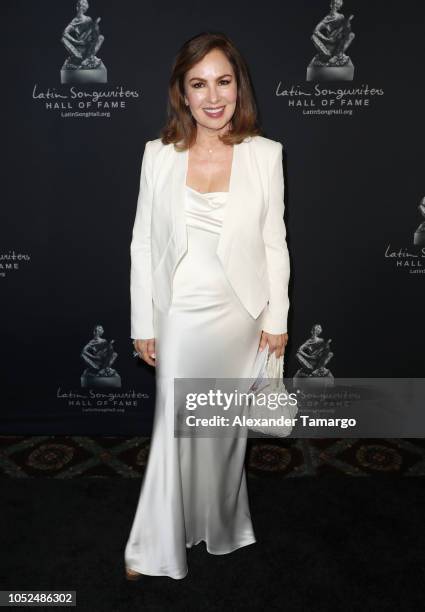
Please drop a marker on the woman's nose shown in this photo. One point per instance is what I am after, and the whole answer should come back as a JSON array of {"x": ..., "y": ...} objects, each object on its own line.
[{"x": 212, "y": 94}]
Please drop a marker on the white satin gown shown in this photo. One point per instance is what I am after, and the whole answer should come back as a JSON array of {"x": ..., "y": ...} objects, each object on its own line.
[{"x": 195, "y": 489}]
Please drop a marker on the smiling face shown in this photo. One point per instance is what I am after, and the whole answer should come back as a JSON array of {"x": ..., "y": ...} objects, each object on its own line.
[{"x": 211, "y": 91}]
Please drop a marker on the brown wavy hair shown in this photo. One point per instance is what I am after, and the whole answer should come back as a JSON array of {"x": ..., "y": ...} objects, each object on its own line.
[{"x": 180, "y": 126}]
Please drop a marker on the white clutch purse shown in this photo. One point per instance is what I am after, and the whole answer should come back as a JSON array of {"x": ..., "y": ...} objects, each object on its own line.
[{"x": 263, "y": 407}]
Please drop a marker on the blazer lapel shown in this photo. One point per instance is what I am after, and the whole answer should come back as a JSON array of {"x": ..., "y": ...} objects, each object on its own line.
[
  {"x": 177, "y": 204},
  {"x": 237, "y": 193}
]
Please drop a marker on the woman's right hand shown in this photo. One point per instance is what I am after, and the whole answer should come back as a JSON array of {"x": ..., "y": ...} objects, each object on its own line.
[{"x": 146, "y": 350}]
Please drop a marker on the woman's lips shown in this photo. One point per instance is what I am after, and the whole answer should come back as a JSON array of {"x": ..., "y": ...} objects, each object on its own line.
[{"x": 215, "y": 114}]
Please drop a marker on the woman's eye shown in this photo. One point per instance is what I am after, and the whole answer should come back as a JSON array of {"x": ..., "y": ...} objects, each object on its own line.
[{"x": 223, "y": 81}]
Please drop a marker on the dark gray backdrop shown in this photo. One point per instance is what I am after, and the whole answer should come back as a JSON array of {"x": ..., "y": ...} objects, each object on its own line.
[{"x": 70, "y": 185}]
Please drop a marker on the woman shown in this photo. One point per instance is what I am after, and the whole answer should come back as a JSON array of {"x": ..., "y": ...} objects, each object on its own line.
[{"x": 209, "y": 280}]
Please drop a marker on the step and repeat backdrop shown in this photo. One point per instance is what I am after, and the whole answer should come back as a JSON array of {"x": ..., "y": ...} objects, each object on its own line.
[{"x": 340, "y": 84}]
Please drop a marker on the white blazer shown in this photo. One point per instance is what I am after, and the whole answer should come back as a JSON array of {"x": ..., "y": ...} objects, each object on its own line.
[{"x": 252, "y": 244}]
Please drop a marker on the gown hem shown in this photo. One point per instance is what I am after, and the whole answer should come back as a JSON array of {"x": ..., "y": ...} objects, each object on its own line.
[
  {"x": 224, "y": 552},
  {"x": 152, "y": 572}
]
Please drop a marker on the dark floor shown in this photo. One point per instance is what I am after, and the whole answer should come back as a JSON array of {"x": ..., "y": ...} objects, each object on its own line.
[
  {"x": 323, "y": 544},
  {"x": 65, "y": 457},
  {"x": 324, "y": 541}
]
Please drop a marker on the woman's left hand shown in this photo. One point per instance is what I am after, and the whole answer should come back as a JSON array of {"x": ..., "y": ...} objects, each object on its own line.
[{"x": 276, "y": 342}]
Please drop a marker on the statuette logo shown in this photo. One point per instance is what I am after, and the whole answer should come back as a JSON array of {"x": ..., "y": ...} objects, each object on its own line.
[
  {"x": 332, "y": 36},
  {"x": 82, "y": 39}
]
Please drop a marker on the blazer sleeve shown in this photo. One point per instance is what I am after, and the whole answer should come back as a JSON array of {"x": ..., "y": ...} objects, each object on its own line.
[
  {"x": 275, "y": 319},
  {"x": 140, "y": 251}
]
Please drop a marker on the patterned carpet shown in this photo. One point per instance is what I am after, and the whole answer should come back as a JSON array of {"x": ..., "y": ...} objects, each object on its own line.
[{"x": 107, "y": 457}]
